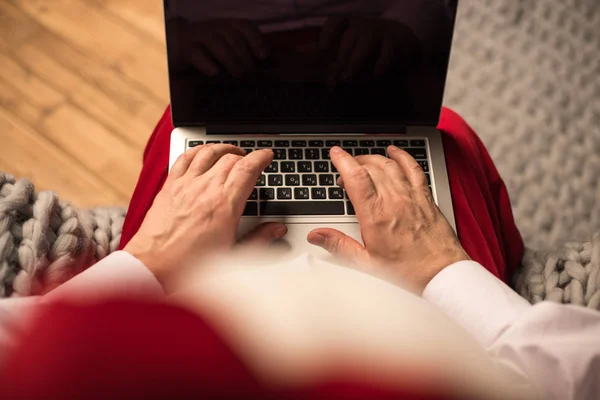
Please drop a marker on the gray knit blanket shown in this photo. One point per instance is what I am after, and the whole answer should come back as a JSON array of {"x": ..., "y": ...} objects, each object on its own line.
[{"x": 44, "y": 242}]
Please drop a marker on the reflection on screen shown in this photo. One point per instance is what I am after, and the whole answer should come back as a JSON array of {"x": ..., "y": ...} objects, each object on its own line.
[{"x": 308, "y": 61}]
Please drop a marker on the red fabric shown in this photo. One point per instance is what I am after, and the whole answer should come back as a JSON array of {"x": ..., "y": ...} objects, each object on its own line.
[
  {"x": 482, "y": 209},
  {"x": 121, "y": 350}
]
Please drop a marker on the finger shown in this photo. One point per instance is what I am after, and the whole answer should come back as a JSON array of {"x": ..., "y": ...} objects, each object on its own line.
[
  {"x": 208, "y": 156},
  {"x": 386, "y": 57},
  {"x": 264, "y": 234},
  {"x": 349, "y": 41},
  {"x": 245, "y": 173},
  {"x": 331, "y": 32},
  {"x": 359, "y": 57},
  {"x": 183, "y": 162},
  {"x": 357, "y": 181},
  {"x": 410, "y": 167},
  {"x": 339, "y": 245},
  {"x": 220, "y": 171},
  {"x": 239, "y": 46},
  {"x": 393, "y": 171},
  {"x": 200, "y": 60},
  {"x": 221, "y": 51},
  {"x": 254, "y": 38}
]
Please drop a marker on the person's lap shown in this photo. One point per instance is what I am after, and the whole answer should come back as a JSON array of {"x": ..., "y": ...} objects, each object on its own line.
[{"x": 482, "y": 208}]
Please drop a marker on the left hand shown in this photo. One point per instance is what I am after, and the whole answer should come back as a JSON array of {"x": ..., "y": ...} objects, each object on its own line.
[
  {"x": 371, "y": 46},
  {"x": 198, "y": 211}
]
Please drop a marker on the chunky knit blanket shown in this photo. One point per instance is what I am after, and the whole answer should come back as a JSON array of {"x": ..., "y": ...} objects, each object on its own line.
[{"x": 44, "y": 242}]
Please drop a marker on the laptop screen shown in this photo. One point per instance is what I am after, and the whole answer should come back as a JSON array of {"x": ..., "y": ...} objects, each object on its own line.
[{"x": 294, "y": 62}]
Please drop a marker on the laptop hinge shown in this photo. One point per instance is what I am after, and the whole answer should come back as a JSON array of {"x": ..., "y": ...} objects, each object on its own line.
[{"x": 221, "y": 129}]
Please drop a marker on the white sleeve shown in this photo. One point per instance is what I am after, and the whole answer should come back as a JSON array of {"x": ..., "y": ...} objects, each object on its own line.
[
  {"x": 556, "y": 347},
  {"x": 118, "y": 275}
]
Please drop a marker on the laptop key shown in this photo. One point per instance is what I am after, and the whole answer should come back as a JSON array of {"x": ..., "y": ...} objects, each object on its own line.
[
  {"x": 279, "y": 154},
  {"x": 384, "y": 143},
  {"x": 272, "y": 168},
  {"x": 253, "y": 195},
  {"x": 349, "y": 151},
  {"x": 282, "y": 143},
  {"x": 248, "y": 143},
  {"x": 428, "y": 179},
  {"x": 301, "y": 194},
  {"x": 288, "y": 166},
  {"x": 262, "y": 180},
  {"x": 295, "y": 154},
  {"x": 284, "y": 194},
  {"x": 331, "y": 143},
  {"x": 309, "y": 180},
  {"x": 213, "y": 141},
  {"x": 316, "y": 143},
  {"x": 318, "y": 193},
  {"x": 361, "y": 151},
  {"x": 401, "y": 143},
  {"x": 267, "y": 194},
  {"x": 350, "y": 143},
  {"x": 231, "y": 142},
  {"x": 298, "y": 143},
  {"x": 336, "y": 193},
  {"x": 275, "y": 180},
  {"x": 304, "y": 166},
  {"x": 418, "y": 153},
  {"x": 292, "y": 180},
  {"x": 326, "y": 180},
  {"x": 367, "y": 143},
  {"x": 350, "y": 208},
  {"x": 325, "y": 154},
  {"x": 424, "y": 165},
  {"x": 194, "y": 143},
  {"x": 273, "y": 208},
  {"x": 417, "y": 143},
  {"x": 248, "y": 151},
  {"x": 378, "y": 151},
  {"x": 265, "y": 143},
  {"x": 251, "y": 209},
  {"x": 312, "y": 154},
  {"x": 321, "y": 166}
]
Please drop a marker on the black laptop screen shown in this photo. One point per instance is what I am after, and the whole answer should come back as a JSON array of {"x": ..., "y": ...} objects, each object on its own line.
[{"x": 308, "y": 61}]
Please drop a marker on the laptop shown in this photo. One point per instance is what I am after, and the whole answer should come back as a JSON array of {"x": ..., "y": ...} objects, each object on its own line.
[{"x": 301, "y": 77}]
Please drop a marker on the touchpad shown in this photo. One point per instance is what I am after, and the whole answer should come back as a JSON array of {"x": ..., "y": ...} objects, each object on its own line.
[{"x": 295, "y": 242}]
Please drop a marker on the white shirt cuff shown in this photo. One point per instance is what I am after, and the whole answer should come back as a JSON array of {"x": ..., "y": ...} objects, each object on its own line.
[
  {"x": 120, "y": 275},
  {"x": 476, "y": 299}
]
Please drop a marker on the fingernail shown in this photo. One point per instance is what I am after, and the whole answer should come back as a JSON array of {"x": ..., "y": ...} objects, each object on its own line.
[
  {"x": 317, "y": 239},
  {"x": 392, "y": 147},
  {"x": 336, "y": 150},
  {"x": 268, "y": 150},
  {"x": 280, "y": 231}
]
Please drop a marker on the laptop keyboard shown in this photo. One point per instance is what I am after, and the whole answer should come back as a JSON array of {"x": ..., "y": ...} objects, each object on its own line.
[{"x": 302, "y": 180}]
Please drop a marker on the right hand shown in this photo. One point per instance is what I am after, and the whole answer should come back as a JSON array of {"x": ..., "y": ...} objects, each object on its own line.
[
  {"x": 223, "y": 45},
  {"x": 406, "y": 237}
]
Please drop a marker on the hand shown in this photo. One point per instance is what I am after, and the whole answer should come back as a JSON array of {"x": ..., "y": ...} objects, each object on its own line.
[
  {"x": 197, "y": 212},
  {"x": 406, "y": 237},
  {"x": 222, "y": 45},
  {"x": 371, "y": 46}
]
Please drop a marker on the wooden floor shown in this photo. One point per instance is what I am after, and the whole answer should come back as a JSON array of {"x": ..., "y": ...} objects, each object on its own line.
[{"x": 82, "y": 84}]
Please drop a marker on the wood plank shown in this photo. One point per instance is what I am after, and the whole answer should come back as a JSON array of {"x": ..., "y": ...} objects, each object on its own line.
[
  {"x": 146, "y": 66},
  {"x": 14, "y": 102},
  {"x": 110, "y": 41},
  {"x": 129, "y": 95},
  {"x": 27, "y": 155},
  {"x": 38, "y": 92},
  {"x": 144, "y": 15},
  {"x": 125, "y": 122},
  {"x": 99, "y": 150},
  {"x": 15, "y": 26},
  {"x": 79, "y": 23}
]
